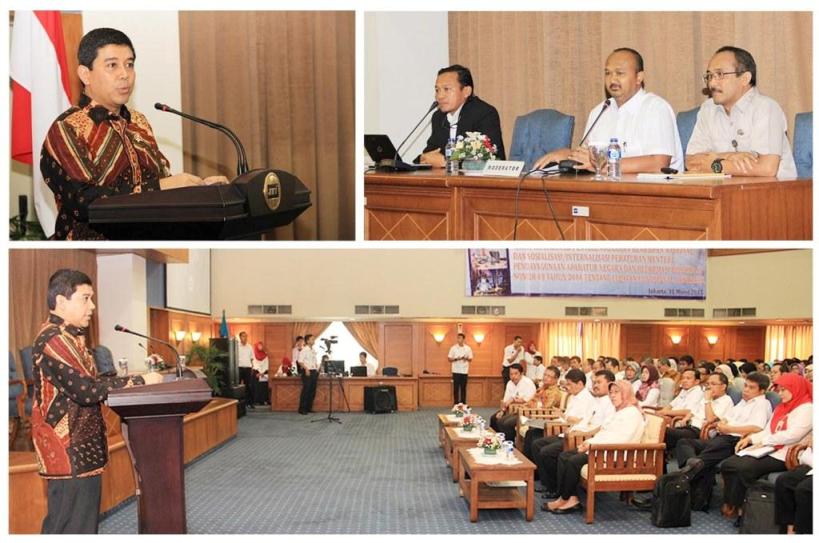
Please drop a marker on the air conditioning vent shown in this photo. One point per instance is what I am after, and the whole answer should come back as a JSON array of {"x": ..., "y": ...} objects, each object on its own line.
[
  {"x": 586, "y": 311},
  {"x": 270, "y": 310},
  {"x": 684, "y": 312},
  {"x": 495, "y": 310},
  {"x": 377, "y": 310},
  {"x": 729, "y": 312},
  {"x": 391, "y": 310}
]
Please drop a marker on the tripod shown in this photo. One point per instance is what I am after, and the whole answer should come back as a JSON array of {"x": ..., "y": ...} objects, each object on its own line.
[{"x": 330, "y": 417}]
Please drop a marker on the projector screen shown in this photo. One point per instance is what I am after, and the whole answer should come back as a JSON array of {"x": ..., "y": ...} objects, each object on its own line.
[
  {"x": 645, "y": 273},
  {"x": 187, "y": 286}
]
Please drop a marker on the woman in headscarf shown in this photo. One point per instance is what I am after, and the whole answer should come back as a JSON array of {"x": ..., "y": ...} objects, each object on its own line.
[
  {"x": 632, "y": 374},
  {"x": 261, "y": 367},
  {"x": 625, "y": 426},
  {"x": 648, "y": 395},
  {"x": 791, "y": 421},
  {"x": 669, "y": 380},
  {"x": 725, "y": 369}
]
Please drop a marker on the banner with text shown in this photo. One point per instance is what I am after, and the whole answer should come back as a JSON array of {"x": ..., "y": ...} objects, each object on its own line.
[{"x": 644, "y": 273}]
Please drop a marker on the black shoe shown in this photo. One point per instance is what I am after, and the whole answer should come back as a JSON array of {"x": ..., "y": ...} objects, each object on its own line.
[
  {"x": 738, "y": 522},
  {"x": 643, "y": 504}
]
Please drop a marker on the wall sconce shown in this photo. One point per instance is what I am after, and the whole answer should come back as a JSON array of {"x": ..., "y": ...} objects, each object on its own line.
[
  {"x": 479, "y": 337},
  {"x": 712, "y": 339},
  {"x": 439, "y": 337},
  {"x": 180, "y": 335},
  {"x": 676, "y": 339},
  {"x": 196, "y": 336}
]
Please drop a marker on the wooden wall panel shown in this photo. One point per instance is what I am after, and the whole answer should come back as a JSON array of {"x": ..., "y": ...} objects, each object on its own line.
[
  {"x": 164, "y": 323},
  {"x": 655, "y": 339},
  {"x": 750, "y": 342},
  {"x": 397, "y": 347}
]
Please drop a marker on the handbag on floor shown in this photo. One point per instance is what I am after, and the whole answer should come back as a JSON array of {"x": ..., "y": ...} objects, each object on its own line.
[
  {"x": 671, "y": 507},
  {"x": 758, "y": 510}
]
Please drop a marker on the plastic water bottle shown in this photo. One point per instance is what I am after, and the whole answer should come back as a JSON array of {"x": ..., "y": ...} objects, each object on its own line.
[
  {"x": 451, "y": 165},
  {"x": 615, "y": 154}
]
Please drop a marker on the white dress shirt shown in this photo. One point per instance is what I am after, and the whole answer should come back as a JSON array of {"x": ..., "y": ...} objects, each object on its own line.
[
  {"x": 525, "y": 390},
  {"x": 603, "y": 411},
  {"x": 245, "y": 355},
  {"x": 535, "y": 373},
  {"x": 688, "y": 399},
  {"x": 580, "y": 405},
  {"x": 799, "y": 424},
  {"x": 753, "y": 413},
  {"x": 626, "y": 426},
  {"x": 756, "y": 124},
  {"x": 307, "y": 357},
  {"x": 460, "y": 352},
  {"x": 719, "y": 406},
  {"x": 509, "y": 352},
  {"x": 645, "y": 125}
]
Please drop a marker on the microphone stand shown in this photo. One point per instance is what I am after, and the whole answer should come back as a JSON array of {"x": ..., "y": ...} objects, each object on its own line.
[
  {"x": 396, "y": 163},
  {"x": 568, "y": 165},
  {"x": 119, "y": 328}
]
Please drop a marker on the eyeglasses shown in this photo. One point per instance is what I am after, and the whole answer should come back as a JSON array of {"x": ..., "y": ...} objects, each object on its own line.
[{"x": 718, "y": 75}]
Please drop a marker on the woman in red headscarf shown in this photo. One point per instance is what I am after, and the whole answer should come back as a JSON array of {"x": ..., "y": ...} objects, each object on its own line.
[
  {"x": 648, "y": 395},
  {"x": 625, "y": 426},
  {"x": 261, "y": 366},
  {"x": 791, "y": 421}
]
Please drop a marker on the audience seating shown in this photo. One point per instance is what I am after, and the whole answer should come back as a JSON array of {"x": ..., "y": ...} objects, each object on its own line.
[
  {"x": 685, "y": 125},
  {"x": 625, "y": 468},
  {"x": 803, "y": 144}
]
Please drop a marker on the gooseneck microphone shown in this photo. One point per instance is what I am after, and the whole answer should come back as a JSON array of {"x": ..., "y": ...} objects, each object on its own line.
[
  {"x": 241, "y": 164},
  {"x": 430, "y": 110},
  {"x": 568, "y": 164},
  {"x": 119, "y": 328}
]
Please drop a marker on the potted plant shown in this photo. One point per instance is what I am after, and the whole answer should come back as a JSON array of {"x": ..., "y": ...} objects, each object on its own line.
[
  {"x": 473, "y": 151},
  {"x": 490, "y": 443},
  {"x": 460, "y": 409},
  {"x": 212, "y": 369}
]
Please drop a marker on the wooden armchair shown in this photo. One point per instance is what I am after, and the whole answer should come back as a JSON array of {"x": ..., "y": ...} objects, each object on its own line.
[
  {"x": 792, "y": 458},
  {"x": 572, "y": 440},
  {"x": 625, "y": 468},
  {"x": 544, "y": 413}
]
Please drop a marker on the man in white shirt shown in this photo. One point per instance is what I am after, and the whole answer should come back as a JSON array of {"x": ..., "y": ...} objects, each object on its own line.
[
  {"x": 643, "y": 123},
  {"x": 460, "y": 355},
  {"x": 519, "y": 390},
  {"x": 244, "y": 353},
  {"x": 700, "y": 456},
  {"x": 297, "y": 347},
  {"x": 364, "y": 361},
  {"x": 685, "y": 403},
  {"x": 536, "y": 369},
  {"x": 585, "y": 411},
  {"x": 308, "y": 362},
  {"x": 513, "y": 354},
  {"x": 739, "y": 131}
]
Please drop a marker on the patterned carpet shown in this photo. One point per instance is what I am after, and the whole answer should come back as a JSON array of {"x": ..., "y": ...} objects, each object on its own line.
[{"x": 373, "y": 474}]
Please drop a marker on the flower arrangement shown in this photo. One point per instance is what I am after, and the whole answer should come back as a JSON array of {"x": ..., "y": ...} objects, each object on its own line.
[
  {"x": 471, "y": 421},
  {"x": 154, "y": 362},
  {"x": 460, "y": 409},
  {"x": 490, "y": 443},
  {"x": 475, "y": 146}
]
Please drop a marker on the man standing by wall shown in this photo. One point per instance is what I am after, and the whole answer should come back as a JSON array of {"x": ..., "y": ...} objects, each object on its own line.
[
  {"x": 245, "y": 363},
  {"x": 460, "y": 355},
  {"x": 309, "y": 377}
]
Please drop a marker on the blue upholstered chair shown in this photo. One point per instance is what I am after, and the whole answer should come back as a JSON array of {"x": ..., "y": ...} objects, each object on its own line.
[
  {"x": 27, "y": 358},
  {"x": 803, "y": 144},
  {"x": 16, "y": 388},
  {"x": 390, "y": 371},
  {"x": 685, "y": 125},
  {"x": 774, "y": 398},
  {"x": 104, "y": 360},
  {"x": 734, "y": 393},
  {"x": 540, "y": 132}
]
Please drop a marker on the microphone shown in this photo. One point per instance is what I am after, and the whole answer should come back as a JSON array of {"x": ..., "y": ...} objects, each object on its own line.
[
  {"x": 568, "y": 165},
  {"x": 119, "y": 328},
  {"x": 396, "y": 161},
  {"x": 241, "y": 164}
]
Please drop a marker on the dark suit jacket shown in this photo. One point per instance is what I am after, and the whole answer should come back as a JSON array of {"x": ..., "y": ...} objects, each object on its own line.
[{"x": 476, "y": 116}]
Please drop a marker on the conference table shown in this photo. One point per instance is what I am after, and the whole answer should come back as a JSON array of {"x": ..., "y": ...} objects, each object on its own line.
[{"x": 429, "y": 205}]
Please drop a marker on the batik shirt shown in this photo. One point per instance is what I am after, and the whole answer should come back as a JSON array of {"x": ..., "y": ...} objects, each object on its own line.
[
  {"x": 91, "y": 153},
  {"x": 67, "y": 426}
]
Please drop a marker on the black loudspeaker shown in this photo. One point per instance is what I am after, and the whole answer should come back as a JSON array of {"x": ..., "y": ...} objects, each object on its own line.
[{"x": 380, "y": 399}]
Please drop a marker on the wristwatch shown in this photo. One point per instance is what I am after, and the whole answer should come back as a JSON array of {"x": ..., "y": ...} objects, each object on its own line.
[{"x": 716, "y": 166}]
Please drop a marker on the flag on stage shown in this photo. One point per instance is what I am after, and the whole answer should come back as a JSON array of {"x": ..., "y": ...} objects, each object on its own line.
[
  {"x": 40, "y": 92},
  {"x": 223, "y": 328}
]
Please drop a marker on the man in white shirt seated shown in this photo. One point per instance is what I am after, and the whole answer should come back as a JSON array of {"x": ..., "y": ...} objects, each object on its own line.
[
  {"x": 580, "y": 410},
  {"x": 700, "y": 457},
  {"x": 689, "y": 399},
  {"x": 364, "y": 361},
  {"x": 519, "y": 390},
  {"x": 644, "y": 123},
  {"x": 739, "y": 131},
  {"x": 536, "y": 369}
]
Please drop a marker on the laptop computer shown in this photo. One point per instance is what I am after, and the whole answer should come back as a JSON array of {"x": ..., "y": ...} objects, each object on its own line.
[
  {"x": 358, "y": 371},
  {"x": 383, "y": 153}
]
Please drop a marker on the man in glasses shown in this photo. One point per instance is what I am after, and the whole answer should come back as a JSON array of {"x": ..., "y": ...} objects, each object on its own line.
[{"x": 739, "y": 131}]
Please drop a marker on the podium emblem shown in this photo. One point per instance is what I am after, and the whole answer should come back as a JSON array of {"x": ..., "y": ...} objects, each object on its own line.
[{"x": 272, "y": 190}]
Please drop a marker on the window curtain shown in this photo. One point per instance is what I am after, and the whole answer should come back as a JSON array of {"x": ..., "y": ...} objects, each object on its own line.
[
  {"x": 561, "y": 338},
  {"x": 601, "y": 338},
  {"x": 309, "y": 327},
  {"x": 366, "y": 334},
  {"x": 788, "y": 341}
]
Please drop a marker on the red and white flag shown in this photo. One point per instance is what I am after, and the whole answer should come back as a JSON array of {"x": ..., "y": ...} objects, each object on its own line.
[{"x": 40, "y": 92}]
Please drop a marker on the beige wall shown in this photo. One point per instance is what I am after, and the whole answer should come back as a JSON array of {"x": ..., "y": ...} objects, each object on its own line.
[{"x": 327, "y": 283}]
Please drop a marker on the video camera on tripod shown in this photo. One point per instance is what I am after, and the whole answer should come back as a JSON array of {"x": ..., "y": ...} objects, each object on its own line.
[{"x": 328, "y": 343}]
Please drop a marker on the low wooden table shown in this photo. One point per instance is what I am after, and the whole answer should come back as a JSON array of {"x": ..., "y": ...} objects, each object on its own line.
[
  {"x": 452, "y": 444},
  {"x": 474, "y": 476},
  {"x": 443, "y": 422}
]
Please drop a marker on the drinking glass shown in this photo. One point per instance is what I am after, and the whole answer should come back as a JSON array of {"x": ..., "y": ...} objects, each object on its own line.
[
  {"x": 598, "y": 152},
  {"x": 123, "y": 366}
]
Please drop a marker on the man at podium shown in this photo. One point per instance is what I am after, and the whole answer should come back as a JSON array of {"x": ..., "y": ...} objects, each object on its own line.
[
  {"x": 101, "y": 148},
  {"x": 67, "y": 426}
]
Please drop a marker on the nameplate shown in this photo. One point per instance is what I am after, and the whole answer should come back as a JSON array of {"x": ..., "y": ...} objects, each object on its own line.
[{"x": 504, "y": 168}]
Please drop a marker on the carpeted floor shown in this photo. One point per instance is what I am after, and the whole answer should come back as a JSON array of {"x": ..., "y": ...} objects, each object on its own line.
[{"x": 371, "y": 474}]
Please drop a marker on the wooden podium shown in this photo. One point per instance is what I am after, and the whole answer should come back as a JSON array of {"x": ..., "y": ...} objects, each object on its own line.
[{"x": 153, "y": 416}]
